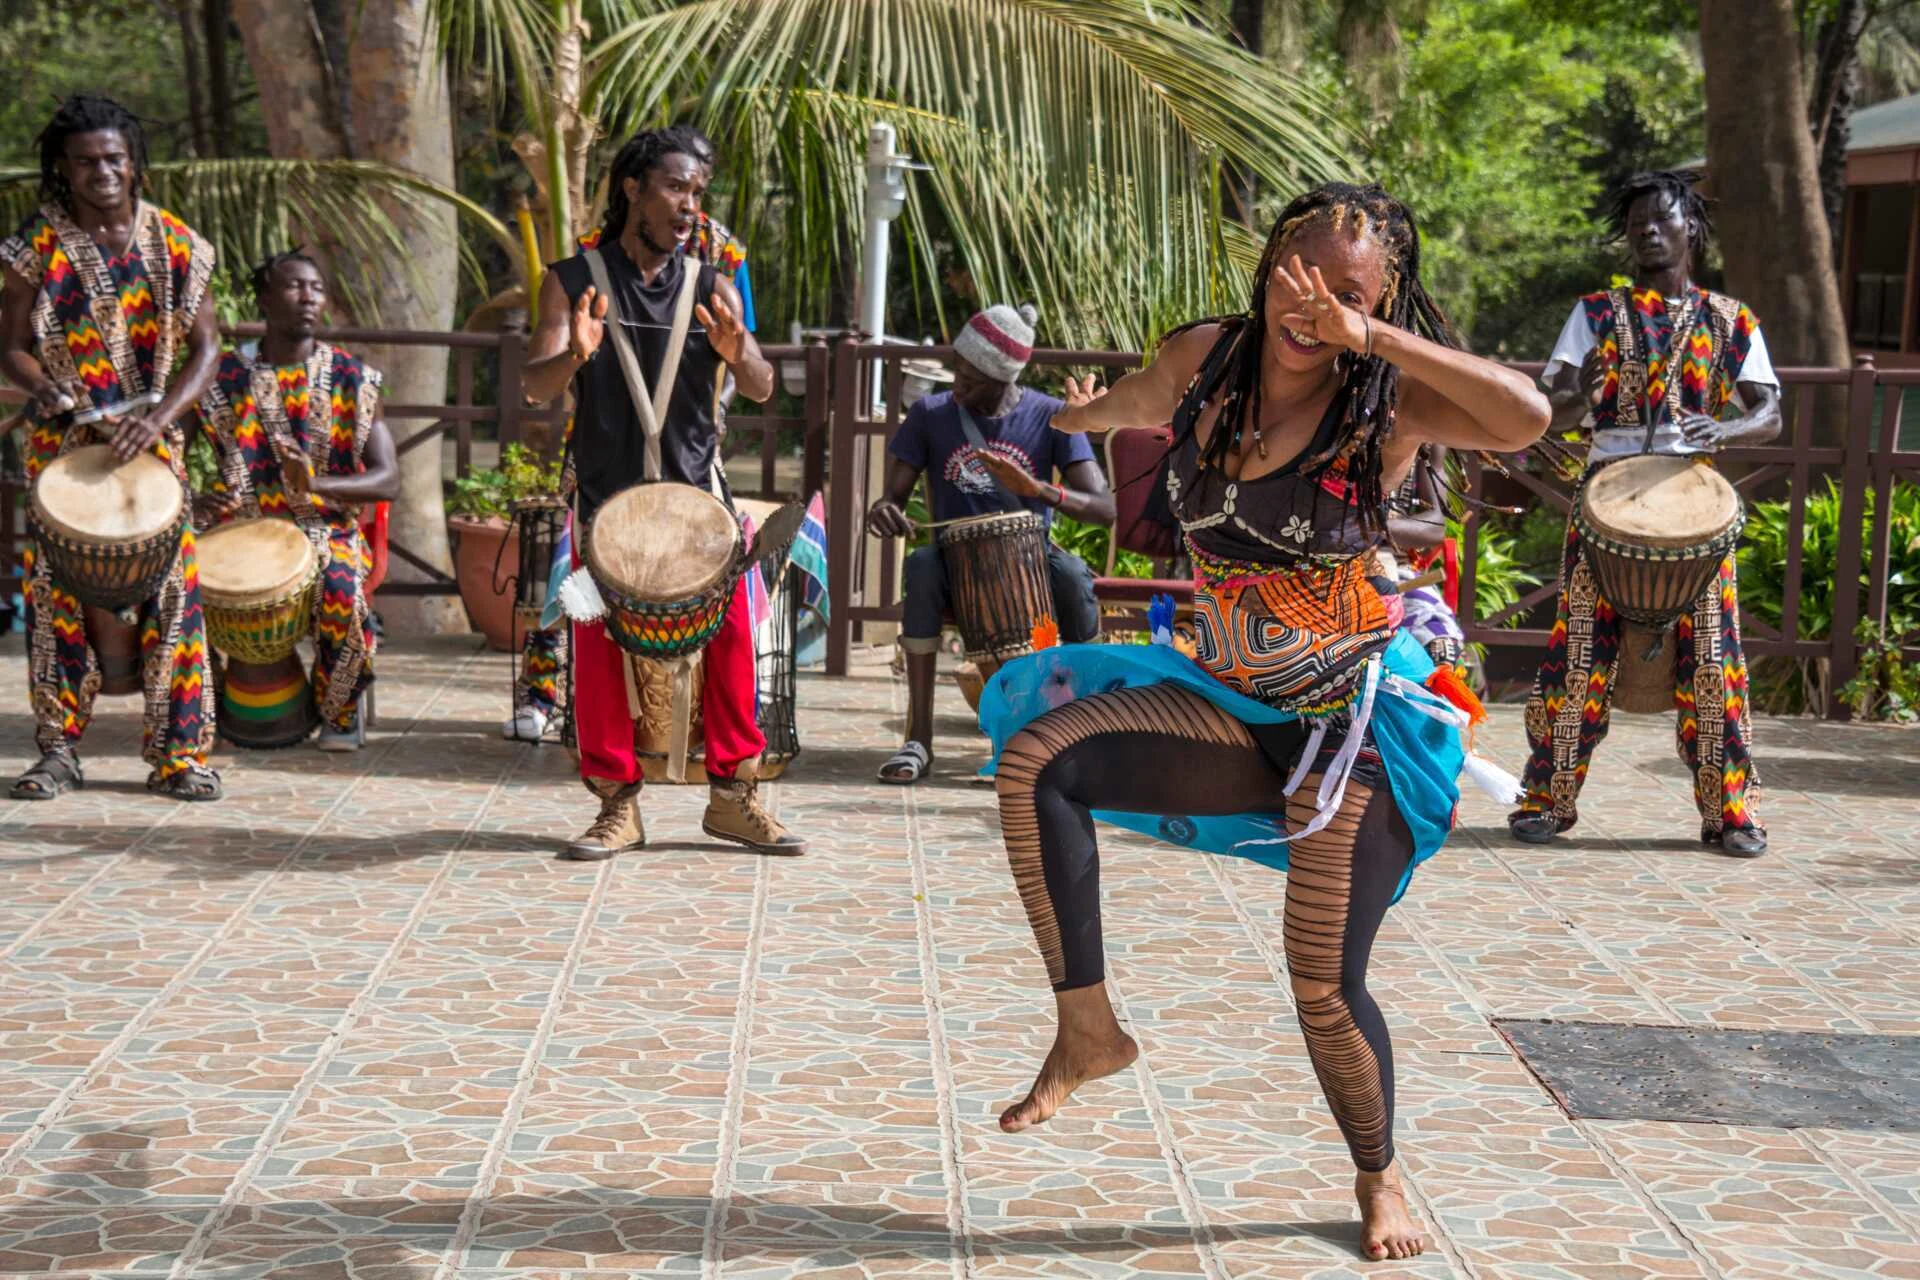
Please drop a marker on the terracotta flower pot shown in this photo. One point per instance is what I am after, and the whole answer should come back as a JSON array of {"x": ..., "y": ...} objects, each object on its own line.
[{"x": 485, "y": 564}]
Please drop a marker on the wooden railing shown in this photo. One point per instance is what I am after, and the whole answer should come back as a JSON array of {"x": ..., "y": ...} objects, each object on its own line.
[
  {"x": 503, "y": 418},
  {"x": 1866, "y": 459}
]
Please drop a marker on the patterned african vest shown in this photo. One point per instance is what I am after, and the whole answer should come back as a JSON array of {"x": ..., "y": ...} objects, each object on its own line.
[
  {"x": 1668, "y": 358},
  {"x": 255, "y": 414}
]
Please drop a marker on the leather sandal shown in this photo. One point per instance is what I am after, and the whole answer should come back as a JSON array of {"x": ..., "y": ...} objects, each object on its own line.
[{"x": 54, "y": 774}]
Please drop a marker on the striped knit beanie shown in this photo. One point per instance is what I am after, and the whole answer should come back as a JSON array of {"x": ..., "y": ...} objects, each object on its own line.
[{"x": 999, "y": 341}]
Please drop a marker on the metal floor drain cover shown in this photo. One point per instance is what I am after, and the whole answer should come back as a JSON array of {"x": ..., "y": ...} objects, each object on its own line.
[{"x": 1783, "y": 1079}]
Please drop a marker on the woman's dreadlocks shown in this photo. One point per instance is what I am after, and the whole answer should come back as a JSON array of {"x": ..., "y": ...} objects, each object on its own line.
[
  {"x": 1672, "y": 185},
  {"x": 637, "y": 158},
  {"x": 1370, "y": 385},
  {"x": 86, "y": 113}
]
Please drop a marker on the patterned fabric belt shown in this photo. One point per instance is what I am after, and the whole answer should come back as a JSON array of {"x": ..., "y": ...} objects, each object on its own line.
[{"x": 1295, "y": 638}]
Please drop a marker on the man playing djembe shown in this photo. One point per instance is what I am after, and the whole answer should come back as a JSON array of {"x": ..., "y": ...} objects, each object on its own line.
[
  {"x": 299, "y": 436},
  {"x": 988, "y": 446},
  {"x": 105, "y": 295},
  {"x": 658, "y": 180},
  {"x": 1659, "y": 365}
]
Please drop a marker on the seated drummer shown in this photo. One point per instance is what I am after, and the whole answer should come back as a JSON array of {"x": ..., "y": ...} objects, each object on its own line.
[
  {"x": 1613, "y": 365},
  {"x": 267, "y": 419},
  {"x": 653, "y": 207},
  {"x": 1013, "y": 471}
]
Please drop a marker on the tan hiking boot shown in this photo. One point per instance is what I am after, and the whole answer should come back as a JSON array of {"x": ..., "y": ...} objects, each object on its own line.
[
  {"x": 734, "y": 813},
  {"x": 618, "y": 828}
]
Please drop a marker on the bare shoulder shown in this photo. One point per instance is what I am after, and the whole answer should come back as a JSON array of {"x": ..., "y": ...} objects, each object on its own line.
[{"x": 1181, "y": 356}]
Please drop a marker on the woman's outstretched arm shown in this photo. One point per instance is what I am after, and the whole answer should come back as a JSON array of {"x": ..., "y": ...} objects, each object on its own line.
[{"x": 1146, "y": 398}]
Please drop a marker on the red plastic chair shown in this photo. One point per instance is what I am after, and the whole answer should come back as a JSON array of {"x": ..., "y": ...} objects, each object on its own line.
[
  {"x": 1131, "y": 454},
  {"x": 373, "y": 527}
]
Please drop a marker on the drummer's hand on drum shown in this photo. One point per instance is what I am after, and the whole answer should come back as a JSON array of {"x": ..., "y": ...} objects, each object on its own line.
[
  {"x": 135, "y": 434},
  {"x": 215, "y": 506},
  {"x": 1012, "y": 476},
  {"x": 588, "y": 325},
  {"x": 885, "y": 519}
]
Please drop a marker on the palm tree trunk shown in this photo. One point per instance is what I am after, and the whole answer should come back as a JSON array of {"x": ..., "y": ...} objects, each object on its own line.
[
  {"x": 1773, "y": 224},
  {"x": 193, "y": 64},
  {"x": 395, "y": 93},
  {"x": 1836, "y": 84},
  {"x": 215, "y": 15}
]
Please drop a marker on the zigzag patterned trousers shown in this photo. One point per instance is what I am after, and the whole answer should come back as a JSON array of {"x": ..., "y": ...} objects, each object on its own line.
[
  {"x": 64, "y": 672},
  {"x": 1568, "y": 713},
  {"x": 343, "y": 635}
]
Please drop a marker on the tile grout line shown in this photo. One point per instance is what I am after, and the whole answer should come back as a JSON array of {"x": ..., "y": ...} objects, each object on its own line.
[
  {"x": 1861, "y": 1187},
  {"x": 1669, "y": 1226},
  {"x": 470, "y": 1214},
  {"x": 1565, "y": 920},
  {"x": 185, "y": 1261},
  {"x": 739, "y": 1051},
  {"x": 1205, "y": 1246},
  {"x": 962, "y": 1257},
  {"x": 57, "y": 1106},
  {"x": 1276, "y": 966},
  {"x": 1896, "y": 923}
]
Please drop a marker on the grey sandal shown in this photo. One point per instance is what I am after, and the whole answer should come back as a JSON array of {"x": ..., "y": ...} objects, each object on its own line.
[
  {"x": 56, "y": 773},
  {"x": 907, "y": 765},
  {"x": 194, "y": 784}
]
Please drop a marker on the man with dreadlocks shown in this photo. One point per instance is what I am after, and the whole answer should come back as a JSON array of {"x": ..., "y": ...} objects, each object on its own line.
[
  {"x": 104, "y": 295},
  {"x": 1305, "y": 734},
  {"x": 298, "y": 435},
  {"x": 1656, "y": 366},
  {"x": 653, "y": 206},
  {"x": 544, "y": 654}
]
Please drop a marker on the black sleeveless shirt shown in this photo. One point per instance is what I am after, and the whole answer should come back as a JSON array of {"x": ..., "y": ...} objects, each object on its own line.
[
  {"x": 1279, "y": 518},
  {"x": 609, "y": 443}
]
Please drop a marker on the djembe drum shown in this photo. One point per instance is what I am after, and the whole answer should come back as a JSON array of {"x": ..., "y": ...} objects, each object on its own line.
[
  {"x": 257, "y": 579},
  {"x": 665, "y": 557},
  {"x": 109, "y": 531},
  {"x": 1655, "y": 530},
  {"x": 997, "y": 583}
]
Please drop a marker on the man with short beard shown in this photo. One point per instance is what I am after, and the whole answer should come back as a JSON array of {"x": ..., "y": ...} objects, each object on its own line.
[{"x": 105, "y": 294}]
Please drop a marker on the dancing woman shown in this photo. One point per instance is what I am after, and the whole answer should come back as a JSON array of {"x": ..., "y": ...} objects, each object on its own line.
[{"x": 1303, "y": 735}]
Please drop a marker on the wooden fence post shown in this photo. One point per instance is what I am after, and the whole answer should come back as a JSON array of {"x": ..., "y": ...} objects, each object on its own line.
[
  {"x": 844, "y": 526},
  {"x": 1855, "y": 469}
]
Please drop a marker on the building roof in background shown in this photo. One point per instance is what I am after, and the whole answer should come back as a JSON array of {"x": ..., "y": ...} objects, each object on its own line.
[
  {"x": 1894, "y": 123},
  {"x": 1886, "y": 124}
]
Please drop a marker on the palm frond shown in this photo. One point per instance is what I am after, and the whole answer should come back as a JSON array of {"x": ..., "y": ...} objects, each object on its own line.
[
  {"x": 252, "y": 207},
  {"x": 1075, "y": 143}
]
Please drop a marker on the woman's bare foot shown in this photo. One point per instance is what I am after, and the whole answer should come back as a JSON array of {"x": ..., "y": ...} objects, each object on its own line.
[
  {"x": 1387, "y": 1230},
  {"x": 1089, "y": 1044}
]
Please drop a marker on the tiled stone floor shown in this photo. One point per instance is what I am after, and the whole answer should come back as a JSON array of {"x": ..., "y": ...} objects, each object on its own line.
[{"x": 356, "y": 1021}]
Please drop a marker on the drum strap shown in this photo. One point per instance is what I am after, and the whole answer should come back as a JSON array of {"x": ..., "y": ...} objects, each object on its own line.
[
  {"x": 1008, "y": 503},
  {"x": 652, "y": 404}
]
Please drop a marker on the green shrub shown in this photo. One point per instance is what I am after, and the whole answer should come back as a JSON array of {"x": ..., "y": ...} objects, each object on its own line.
[
  {"x": 492, "y": 491},
  {"x": 1089, "y": 542}
]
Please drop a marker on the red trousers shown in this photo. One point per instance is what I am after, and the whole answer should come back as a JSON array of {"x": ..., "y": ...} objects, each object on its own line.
[{"x": 604, "y": 728}]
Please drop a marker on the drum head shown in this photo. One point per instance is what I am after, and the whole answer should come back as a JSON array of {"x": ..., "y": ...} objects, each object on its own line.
[
  {"x": 1660, "y": 502},
  {"x": 254, "y": 562},
  {"x": 90, "y": 496},
  {"x": 663, "y": 542}
]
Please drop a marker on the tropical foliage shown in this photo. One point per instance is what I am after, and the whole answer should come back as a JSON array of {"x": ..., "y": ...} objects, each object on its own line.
[{"x": 486, "y": 492}]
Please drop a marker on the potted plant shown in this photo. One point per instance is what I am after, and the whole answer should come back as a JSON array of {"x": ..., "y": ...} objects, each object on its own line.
[{"x": 486, "y": 561}]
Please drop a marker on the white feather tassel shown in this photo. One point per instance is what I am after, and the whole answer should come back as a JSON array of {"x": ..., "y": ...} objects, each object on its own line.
[
  {"x": 1492, "y": 779},
  {"x": 580, "y": 599}
]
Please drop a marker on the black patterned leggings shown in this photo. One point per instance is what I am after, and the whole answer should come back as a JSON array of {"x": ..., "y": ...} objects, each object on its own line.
[{"x": 1167, "y": 750}]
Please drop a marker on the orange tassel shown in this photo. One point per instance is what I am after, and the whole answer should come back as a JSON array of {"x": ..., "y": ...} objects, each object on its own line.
[
  {"x": 1446, "y": 682},
  {"x": 1046, "y": 634}
]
